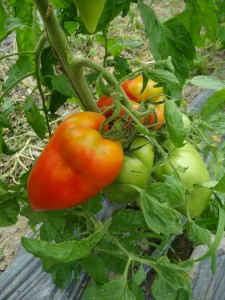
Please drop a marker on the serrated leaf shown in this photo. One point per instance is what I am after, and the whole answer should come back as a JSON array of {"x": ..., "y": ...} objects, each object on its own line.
[
  {"x": 216, "y": 121},
  {"x": 174, "y": 123},
  {"x": 115, "y": 290},
  {"x": 139, "y": 276},
  {"x": 172, "y": 277},
  {"x": 136, "y": 290},
  {"x": 13, "y": 23},
  {"x": 9, "y": 209},
  {"x": 199, "y": 235},
  {"x": 18, "y": 70},
  {"x": 220, "y": 186},
  {"x": 62, "y": 85},
  {"x": 57, "y": 99},
  {"x": 159, "y": 217},
  {"x": 208, "y": 82},
  {"x": 95, "y": 268},
  {"x": 162, "y": 76},
  {"x": 5, "y": 148},
  {"x": 65, "y": 252},
  {"x": 34, "y": 118},
  {"x": 168, "y": 39},
  {"x": 197, "y": 15},
  {"x": 161, "y": 289},
  {"x": 4, "y": 122},
  {"x": 126, "y": 220},
  {"x": 63, "y": 275},
  {"x": 175, "y": 191},
  {"x": 213, "y": 105},
  {"x": 25, "y": 37}
]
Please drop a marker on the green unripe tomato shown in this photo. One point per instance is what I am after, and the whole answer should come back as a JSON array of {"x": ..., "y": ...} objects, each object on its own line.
[
  {"x": 90, "y": 12},
  {"x": 136, "y": 170},
  {"x": 195, "y": 172}
]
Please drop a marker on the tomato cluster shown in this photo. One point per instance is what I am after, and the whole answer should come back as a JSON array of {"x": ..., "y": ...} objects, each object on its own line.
[
  {"x": 185, "y": 162},
  {"x": 78, "y": 152},
  {"x": 133, "y": 90}
]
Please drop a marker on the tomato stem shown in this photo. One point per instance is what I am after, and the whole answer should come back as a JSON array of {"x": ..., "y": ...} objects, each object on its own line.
[
  {"x": 38, "y": 52},
  {"x": 59, "y": 43}
]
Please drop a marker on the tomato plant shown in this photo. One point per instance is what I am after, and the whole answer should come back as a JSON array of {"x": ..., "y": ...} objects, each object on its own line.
[
  {"x": 192, "y": 171},
  {"x": 71, "y": 52},
  {"x": 136, "y": 170}
]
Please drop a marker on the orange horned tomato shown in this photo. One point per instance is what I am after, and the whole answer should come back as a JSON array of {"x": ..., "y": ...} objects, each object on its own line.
[
  {"x": 75, "y": 165},
  {"x": 133, "y": 87}
]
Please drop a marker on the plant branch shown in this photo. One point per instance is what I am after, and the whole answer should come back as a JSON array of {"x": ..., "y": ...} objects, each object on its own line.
[
  {"x": 22, "y": 53},
  {"x": 38, "y": 52},
  {"x": 59, "y": 43}
]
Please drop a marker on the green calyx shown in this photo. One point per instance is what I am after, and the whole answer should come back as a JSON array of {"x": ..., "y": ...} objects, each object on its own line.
[{"x": 90, "y": 12}]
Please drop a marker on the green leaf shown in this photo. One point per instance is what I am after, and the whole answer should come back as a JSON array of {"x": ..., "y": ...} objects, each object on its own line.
[
  {"x": 220, "y": 186},
  {"x": 159, "y": 217},
  {"x": 199, "y": 15},
  {"x": 63, "y": 275},
  {"x": 22, "y": 67},
  {"x": 126, "y": 220},
  {"x": 65, "y": 252},
  {"x": 25, "y": 37},
  {"x": 170, "y": 278},
  {"x": 90, "y": 292},
  {"x": 136, "y": 290},
  {"x": 162, "y": 76},
  {"x": 4, "y": 122},
  {"x": 175, "y": 191},
  {"x": 199, "y": 235},
  {"x": 3, "y": 18},
  {"x": 115, "y": 290},
  {"x": 62, "y": 85},
  {"x": 112, "y": 9},
  {"x": 9, "y": 208},
  {"x": 139, "y": 276},
  {"x": 208, "y": 82},
  {"x": 57, "y": 99},
  {"x": 13, "y": 23},
  {"x": 34, "y": 118},
  {"x": 174, "y": 123},
  {"x": 168, "y": 39},
  {"x": 162, "y": 290},
  {"x": 5, "y": 148},
  {"x": 95, "y": 268},
  {"x": 48, "y": 232},
  {"x": 213, "y": 105},
  {"x": 48, "y": 62}
]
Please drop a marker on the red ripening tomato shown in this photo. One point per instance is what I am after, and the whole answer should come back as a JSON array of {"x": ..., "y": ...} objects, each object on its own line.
[
  {"x": 133, "y": 87},
  {"x": 156, "y": 117},
  {"x": 76, "y": 164},
  {"x": 105, "y": 102}
]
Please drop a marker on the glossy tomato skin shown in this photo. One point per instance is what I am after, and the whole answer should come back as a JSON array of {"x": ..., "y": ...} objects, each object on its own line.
[
  {"x": 157, "y": 117},
  {"x": 90, "y": 12},
  {"x": 136, "y": 170},
  {"x": 104, "y": 102},
  {"x": 133, "y": 87},
  {"x": 196, "y": 172},
  {"x": 75, "y": 165}
]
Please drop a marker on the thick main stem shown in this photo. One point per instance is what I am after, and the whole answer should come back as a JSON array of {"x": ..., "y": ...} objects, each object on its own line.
[{"x": 59, "y": 43}]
